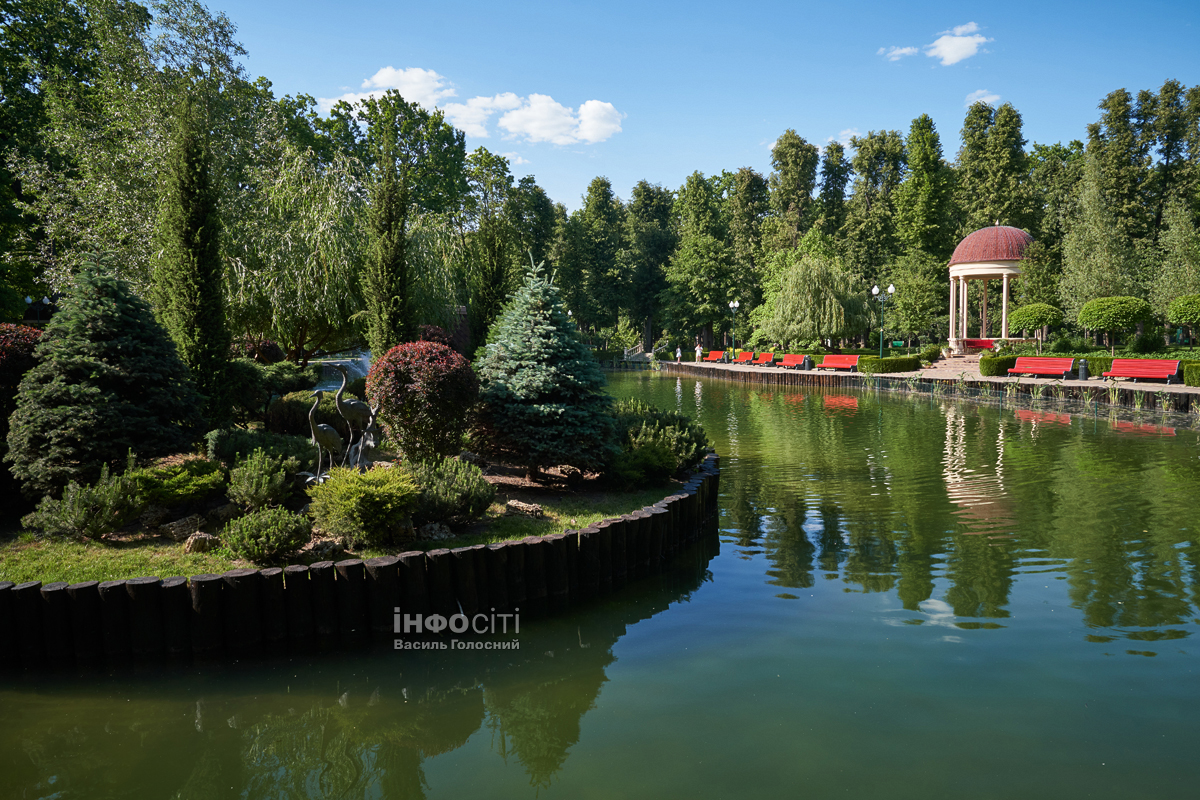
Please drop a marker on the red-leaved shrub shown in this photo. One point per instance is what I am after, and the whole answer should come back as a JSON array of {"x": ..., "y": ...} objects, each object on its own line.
[
  {"x": 16, "y": 358},
  {"x": 425, "y": 392},
  {"x": 434, "y": 333}
]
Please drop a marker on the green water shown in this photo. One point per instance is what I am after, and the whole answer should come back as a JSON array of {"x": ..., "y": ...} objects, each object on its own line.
[{"x": 911, "y": 599}]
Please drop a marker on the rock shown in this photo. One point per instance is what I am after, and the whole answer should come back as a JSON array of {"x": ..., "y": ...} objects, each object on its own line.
[
  {"x": 222, "y": 514},
  {"x": 434, "y": 532},
  {"x": 572, "y": 475},
  {"x": 153, "y": 516},
  {"x": 201, "y": 543},
  {"x": 181, "y": 529},
  {"x": 327, "y": 549},
  {"x": 515, "y": 507}
]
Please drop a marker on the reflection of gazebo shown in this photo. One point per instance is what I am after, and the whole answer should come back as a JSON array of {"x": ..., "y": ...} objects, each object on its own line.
[{"x": 987, "y": 253}]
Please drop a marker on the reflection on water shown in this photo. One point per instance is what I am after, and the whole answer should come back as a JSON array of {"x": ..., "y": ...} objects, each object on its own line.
[{"x": 912, "y": 595}]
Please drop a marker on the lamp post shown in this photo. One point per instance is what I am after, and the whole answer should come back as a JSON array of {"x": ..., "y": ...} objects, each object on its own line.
[
  {"x": 733, "y": 306},
  {"x": 891, "y": 290},
  {"x": 45, "y": 302}
]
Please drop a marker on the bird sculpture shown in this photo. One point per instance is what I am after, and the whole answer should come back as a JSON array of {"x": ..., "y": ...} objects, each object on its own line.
[
  {"x": 356, "y": 413},
  {"x": 325, "y": 437}
]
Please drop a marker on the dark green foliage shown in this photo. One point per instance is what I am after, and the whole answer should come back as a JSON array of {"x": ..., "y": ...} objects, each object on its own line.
[
  {"x": 998, "y": 366},
  {"x": 424, "y": 392},
  {"x": 189, "y": 290},
  {"x": 108, "y": 380},
  {"x": 543, "y": 401},
  {"x": 90, "y": 511},
  {"x": 267, "y": 534},
  {"x": 289, "y": 414},
  {"x": 245, "y": 390},
  {"x": 261, "y": 480},
  {"x": 371, "y": 508},
  {"x": 931, "y": 353},
  {"x": 261, "y": 351},
  {"x": 1191, "y": 374},
  {"x": 655, "y": 444},
  {"x": 1147, "y": 343},
  {"x": 230, "y": 444},
  {"x": 179, "y": 481},
  {"x": 287, "y": 377},
  {"x": 874, "y": 366},
  {"x": 452, "y": 491}
]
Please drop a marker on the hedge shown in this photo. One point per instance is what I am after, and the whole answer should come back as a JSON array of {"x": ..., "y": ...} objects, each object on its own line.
[
  {"x": 1191, "y": 374},
  {"x": 876, "y": 365},
  {"x": 998, "y": 366}
]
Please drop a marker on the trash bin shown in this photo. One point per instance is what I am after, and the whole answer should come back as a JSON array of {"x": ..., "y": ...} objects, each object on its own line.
[
  {"x": 807, "y": 363},
  {"x": 1083, "y": 369}
]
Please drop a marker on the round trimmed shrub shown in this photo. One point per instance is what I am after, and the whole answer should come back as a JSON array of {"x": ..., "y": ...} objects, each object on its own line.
[
  {"x": 424, "y": 392},
  {"x": 1114, "y": 314},
  {"x": 452, "y": 491},
  {"x": 372, "y": 507},
  {"x": 267, "y": 535}
]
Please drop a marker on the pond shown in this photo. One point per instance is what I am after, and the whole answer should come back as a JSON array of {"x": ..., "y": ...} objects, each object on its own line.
[{"x": 912, "y": 598}]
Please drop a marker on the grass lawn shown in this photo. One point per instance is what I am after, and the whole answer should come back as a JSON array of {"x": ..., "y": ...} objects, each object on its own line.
[{"x": 23, "y": 557}]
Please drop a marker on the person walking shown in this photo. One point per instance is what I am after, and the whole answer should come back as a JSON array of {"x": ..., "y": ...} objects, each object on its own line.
[{"x": 678, "y": 354}]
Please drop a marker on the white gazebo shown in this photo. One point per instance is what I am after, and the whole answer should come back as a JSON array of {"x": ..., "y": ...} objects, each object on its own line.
[{"x": 987, "y": 254}]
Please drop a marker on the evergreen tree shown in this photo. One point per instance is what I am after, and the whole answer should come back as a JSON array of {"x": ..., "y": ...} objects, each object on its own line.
[
  {"x": 1056, "y": 174},
  {"x": 493, "y": 237},
  {"x": 188, "y": 288},
  {"x": 1120, "y": 153},
  {"x": 795, "y": 162},
  {"x": 1179, "y": 256},
  {"x": 385, "y": 282},
  {"x": 650, "y": 241},
  {"x": 108, "y": 380},
  {"x": 835, "y": 174},
  {"x": 922, "y": 202},
  {"x": 542, "y": 394},
  {"x": 870, "y": 231},
  {"x": 1099, "y": 259}
]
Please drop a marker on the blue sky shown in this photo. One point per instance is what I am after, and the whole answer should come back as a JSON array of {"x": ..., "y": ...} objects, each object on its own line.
[{"x": 634, "y": 90}]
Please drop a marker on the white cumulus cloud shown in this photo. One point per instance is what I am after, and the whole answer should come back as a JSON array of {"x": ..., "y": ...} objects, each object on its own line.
[
  {"x": 981, "y": 94},
  {"x": 515, "y": 158},
  {"x": 896, "y": 53},
  {"x": 422, "y": 86},
  {"x": 845, "y": 136},
  {"x": 541, "y": 118},
  {"x": 956, "y": 44},
  {"x": 471, "y": 117}
]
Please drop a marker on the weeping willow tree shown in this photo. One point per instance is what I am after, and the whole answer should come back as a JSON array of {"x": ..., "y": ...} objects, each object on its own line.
[
  {"x": 297, "y": 252},
  {"x": 809, "y": 295}
]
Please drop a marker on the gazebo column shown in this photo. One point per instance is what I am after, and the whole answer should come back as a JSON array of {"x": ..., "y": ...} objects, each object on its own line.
[
  {"x": 953, "y": 309},
  {"x": 962, "y": 307},
  {"x": 983, "y": 326},
  {"x": 1004, "y": 308}
]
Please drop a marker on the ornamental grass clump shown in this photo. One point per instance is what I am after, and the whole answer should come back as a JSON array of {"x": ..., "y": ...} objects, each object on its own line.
[
  {"x": 267, "y": 534},
  {"x": 372, "y": 508},
  {"x": 425, "y": 392}
]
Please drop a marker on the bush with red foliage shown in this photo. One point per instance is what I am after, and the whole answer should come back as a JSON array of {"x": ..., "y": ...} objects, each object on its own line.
[
  {"x": 432, "y": 333},
  {"x": 16, "y": 358},
  {"x": 425, "y": 393}
]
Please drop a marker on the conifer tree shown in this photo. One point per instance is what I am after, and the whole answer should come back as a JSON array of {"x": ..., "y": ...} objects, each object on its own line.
[
  {"x": 922, "y": 201},
  {"x": 385, "y": 279},
  {"x": 835, "y": 174},
  {"x": 543, "y": 401},
  {"x": 188, "y": 287},
  {"x": 108, "y": 379}
]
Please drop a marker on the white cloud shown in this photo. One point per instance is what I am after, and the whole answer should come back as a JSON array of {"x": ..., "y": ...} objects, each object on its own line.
[
  {"x": 896, "y": 53},
  {"x": 981, "y": 94},
  {"x": 958, "y": 43},
  {"x": 844, "y": 136},
  {"x": 471, "y": 117},
  {"x": 416, "y": 85},
  {"x": 514, "y": 158},
  {"x": 543, "y": 119},
  {"x": 536, "y": 118}
]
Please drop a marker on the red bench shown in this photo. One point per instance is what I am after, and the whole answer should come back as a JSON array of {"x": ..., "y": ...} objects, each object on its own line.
[
  {"x": 715, "y": 355},
  {"x": 1041, "y": 365},
  {"x": 838, "y": 362},
  {"x": 1151, "y": 368},
  {"x": 983, "y": 344},
  {"x": 744, "y": 357},
  {"x": 764, "y": 360},
  {"x": 792, "y": 360}
]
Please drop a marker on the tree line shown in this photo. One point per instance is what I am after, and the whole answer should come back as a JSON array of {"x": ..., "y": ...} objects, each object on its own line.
[{"x": 323, "y": 231}]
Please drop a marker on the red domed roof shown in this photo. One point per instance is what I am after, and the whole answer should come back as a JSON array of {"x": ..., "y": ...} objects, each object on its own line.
[{"x": 997, "y": 243}]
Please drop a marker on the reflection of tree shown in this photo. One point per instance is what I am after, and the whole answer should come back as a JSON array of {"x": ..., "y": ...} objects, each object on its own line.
[{"x": 787, "y": 545}]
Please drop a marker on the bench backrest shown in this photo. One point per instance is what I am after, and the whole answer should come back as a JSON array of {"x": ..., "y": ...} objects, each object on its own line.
[
  {"x": 745, "y": 355},
  {"x": 839, "y": 361},
  {"x": 1144, "y": 364},
  {"x": 793, "y": 359},
  {"x": 1044, "y": 362},
  {"x": 715, "y": 355},
  {"x": 988, "y": 343},
  {"x": 765, "y": 357}
]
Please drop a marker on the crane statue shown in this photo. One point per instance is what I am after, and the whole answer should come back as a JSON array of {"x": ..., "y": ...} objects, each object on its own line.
[
  {"x": 323, "y": 436},
  {"x": 356, "y": 413}
]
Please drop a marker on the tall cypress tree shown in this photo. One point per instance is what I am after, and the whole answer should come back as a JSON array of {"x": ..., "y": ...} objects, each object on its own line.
[
  {"x": 835, "y": 174},
  {"x": 385, "y": 279},
  {"x": 542, "y": 393},
  {"x": 922, "y": 201},
  {"x": 188, "y": 290},
  {"x": 795, "y": 175}
]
